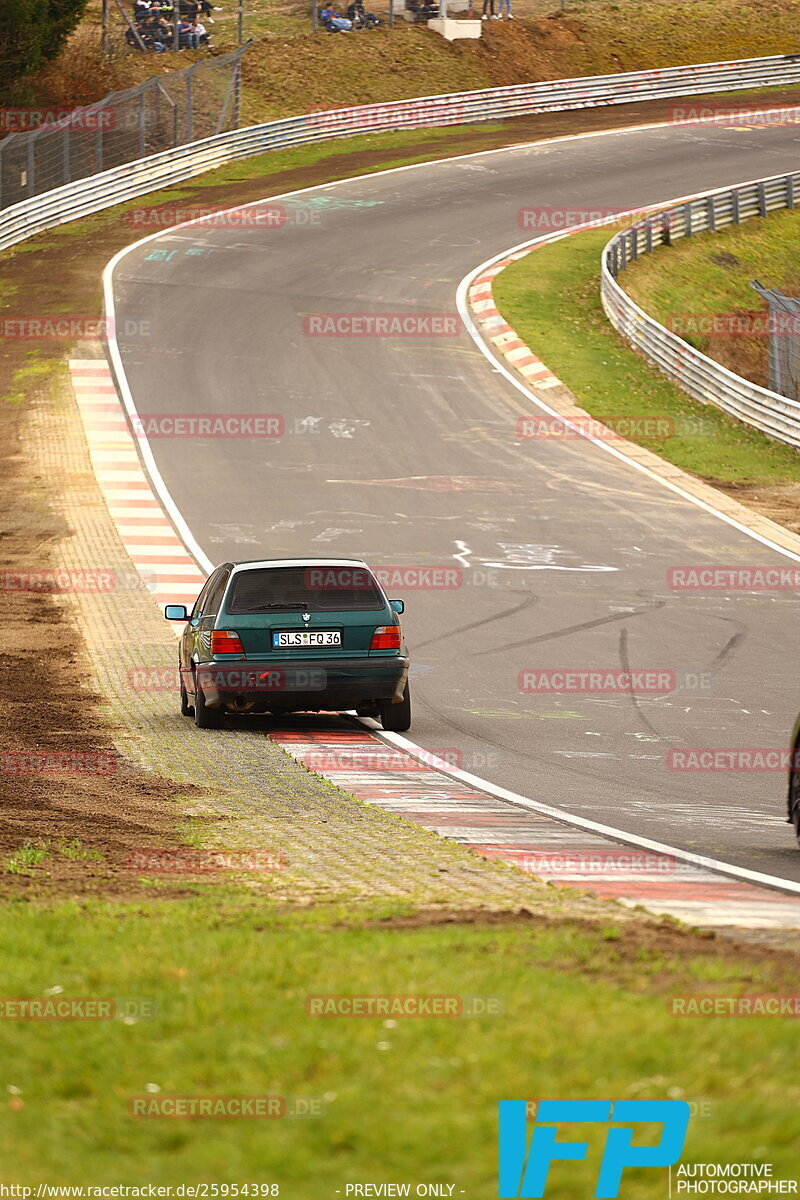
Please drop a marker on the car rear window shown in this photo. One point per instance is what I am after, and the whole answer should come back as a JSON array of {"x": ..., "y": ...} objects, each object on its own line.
[{"x": 320, "y": 589}]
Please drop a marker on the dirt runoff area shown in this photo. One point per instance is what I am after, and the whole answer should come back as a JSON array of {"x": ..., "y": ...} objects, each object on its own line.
[{"x": 74, "y": 809}]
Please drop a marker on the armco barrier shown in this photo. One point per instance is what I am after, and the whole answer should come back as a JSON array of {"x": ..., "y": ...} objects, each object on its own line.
[
  {"x": 147, "y": 174},
  {"x": 698, "y": 375}
]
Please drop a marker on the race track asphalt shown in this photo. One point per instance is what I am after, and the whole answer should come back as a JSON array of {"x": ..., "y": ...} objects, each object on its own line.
[{"x": 405, "y": 451}]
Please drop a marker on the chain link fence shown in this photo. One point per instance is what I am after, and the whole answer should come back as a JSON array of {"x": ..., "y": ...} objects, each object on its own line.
[
  {"x": 784, "y": 341},
  {"x": 160, "y": 114}
]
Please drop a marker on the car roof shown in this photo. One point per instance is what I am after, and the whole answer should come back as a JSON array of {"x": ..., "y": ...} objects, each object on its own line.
[{"x": 255, "y": 563}]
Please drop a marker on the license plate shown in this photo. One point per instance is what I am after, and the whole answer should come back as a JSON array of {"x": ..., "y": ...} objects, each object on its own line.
[{"x": 306, "y": 637}]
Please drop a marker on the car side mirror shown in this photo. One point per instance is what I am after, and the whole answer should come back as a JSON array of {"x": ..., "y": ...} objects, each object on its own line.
[
  {"x": 397, "y": 606},
  {"x": 176, "y": 612}
]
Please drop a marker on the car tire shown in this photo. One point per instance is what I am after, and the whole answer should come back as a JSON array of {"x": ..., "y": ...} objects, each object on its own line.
[
  {"x": 396, "y": 718},
  {"x": 205, "y": 717},
  {"x": 187, "y": 709},
  {"x": 794, "y": 799}
]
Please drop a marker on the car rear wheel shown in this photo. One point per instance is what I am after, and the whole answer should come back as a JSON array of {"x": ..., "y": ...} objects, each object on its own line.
[
  {"x": 396, "y": 718},
  {"x": 187, "y": 709},
  {"x": 205, "y": 717}
]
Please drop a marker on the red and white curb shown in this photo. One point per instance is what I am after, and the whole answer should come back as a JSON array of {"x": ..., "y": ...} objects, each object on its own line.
[
  {"x": 395, "y": 780},
  {"x": 497, "y": 330},
  {"x": 559, "y": 851},
  {"x": 167, "y": 569}
]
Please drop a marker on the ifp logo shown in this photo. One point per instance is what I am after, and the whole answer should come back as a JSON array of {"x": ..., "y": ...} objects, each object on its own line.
[{"x": 524, "y": 1169}]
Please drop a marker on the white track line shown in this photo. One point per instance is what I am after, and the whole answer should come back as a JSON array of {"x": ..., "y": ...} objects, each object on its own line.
[{"x": 698, "y": 860}]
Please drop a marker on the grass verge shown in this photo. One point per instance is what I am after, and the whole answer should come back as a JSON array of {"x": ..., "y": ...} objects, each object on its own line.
[
  {"x": 228, "y": 993},
  {"x": 552, "y": 298},
  {"x": 710, "y": 274}
]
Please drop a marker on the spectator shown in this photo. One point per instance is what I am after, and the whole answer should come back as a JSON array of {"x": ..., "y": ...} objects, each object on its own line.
[
  {"x": 151, "y": 22},
  {"x": 423, "y": 11},
  {"x": 157, "y": 33},
  {"x": 186, "y": 35},
  {"x": 202, "y": 34},
  {"x": 360, "y": 18},
  {"x": 333, "y": 22},
  {"x": 505, "y": 4},
  {"x": 488, "y": 10}
]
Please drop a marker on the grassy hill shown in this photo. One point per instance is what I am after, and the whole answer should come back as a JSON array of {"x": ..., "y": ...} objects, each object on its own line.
[{"x": 289, "y": 70}]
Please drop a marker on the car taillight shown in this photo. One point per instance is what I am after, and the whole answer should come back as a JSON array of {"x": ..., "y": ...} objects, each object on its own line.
[
  {"x": 386, "y": 637},
  {"x": 225, "y": 642}
]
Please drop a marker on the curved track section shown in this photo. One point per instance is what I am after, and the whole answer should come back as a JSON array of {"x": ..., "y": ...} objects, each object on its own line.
[{"x": 405, "y": 450}]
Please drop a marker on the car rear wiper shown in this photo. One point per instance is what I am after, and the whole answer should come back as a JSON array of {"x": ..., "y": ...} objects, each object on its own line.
[{"x": 285, "y": 607}]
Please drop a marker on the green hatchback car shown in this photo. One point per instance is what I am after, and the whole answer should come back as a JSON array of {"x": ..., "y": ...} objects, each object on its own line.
[{"x": 293, "y": 635}]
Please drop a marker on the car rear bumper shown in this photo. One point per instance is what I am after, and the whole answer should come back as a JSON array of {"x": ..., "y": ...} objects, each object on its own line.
[{"x": 313, "y": 684}]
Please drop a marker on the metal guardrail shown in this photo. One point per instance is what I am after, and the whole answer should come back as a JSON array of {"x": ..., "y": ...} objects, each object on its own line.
[
  {"x": 144, "y": 175},
  {"x": 695, "y": 373}
]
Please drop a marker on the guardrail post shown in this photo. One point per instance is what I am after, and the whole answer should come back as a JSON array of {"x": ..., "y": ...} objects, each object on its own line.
[
  {"x": 189, "y": 105},
  {"x": 687, "y": 220},
  {"x": 735, "y": 206},
  {"x": 30, "y": 169},
  {"x": 648, "y": 235},
  {"x": 666, "y": 230},
  {"x": 634, "y": 236},
  {"x": 762, "y": 200},
  {"x": 142, "y": 119},
  {"x": 790, "y": 191},
  {"x": 712, "y": 214}
]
